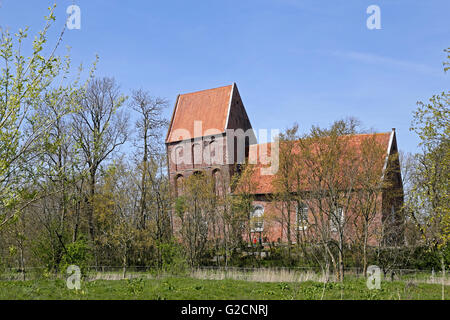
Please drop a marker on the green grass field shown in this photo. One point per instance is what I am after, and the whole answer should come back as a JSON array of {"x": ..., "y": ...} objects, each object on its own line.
[{"x": 190, "y": 288}]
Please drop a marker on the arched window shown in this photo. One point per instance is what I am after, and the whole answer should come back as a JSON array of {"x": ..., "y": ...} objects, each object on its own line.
[
  {"x": 257, "y": 219},
  {"x": 179, "y": 179},
  {"x": 212, "y": 152},
  {"x": 178, "y": 157},
  {"x": 196, "y": 155},
  {"x": 192, "y": 156}
]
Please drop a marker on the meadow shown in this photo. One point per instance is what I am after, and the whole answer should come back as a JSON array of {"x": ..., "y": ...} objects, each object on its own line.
[{"x": 199, "y": 287}]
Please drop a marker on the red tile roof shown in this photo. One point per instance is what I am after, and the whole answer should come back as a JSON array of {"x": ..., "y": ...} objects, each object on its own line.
[
  {"x": 263, "y": 183},
  {"x": 208, "y": 106}
]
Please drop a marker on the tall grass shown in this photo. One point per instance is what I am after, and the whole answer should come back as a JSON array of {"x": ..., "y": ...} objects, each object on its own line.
[
  {"x": 246, "y": 274},
  {"x": 259, "y": 275}
]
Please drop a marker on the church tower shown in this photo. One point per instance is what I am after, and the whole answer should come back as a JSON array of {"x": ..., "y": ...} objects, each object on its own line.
[{"x": 209, "y": 132}]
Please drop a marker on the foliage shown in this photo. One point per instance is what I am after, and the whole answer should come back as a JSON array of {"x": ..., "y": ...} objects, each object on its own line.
[
  {"x": 429, "y": 203},
  {"x": 173, "y": 258},
  {"x": 27, "y": 82},
  {"x": 194, "y": 211},
  {"x": 77, "y": 253}
]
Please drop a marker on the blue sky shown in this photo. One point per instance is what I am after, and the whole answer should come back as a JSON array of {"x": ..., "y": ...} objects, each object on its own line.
[{"x": 308, "y": 61}]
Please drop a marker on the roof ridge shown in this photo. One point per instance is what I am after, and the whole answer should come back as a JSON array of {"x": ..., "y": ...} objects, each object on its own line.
[
  {"x": 344, "y": 135},
  {"x": 193, "y": 92}
]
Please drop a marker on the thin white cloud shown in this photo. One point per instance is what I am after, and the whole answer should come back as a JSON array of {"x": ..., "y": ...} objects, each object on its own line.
[{"x": 370, "y": 58}]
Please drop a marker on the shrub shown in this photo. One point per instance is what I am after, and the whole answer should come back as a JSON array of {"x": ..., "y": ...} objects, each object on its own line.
[
  {"x": 77, "y": 253},
  {"x": 173, "y": 260}
]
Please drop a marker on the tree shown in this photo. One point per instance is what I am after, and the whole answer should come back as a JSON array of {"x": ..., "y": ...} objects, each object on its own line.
[
  {"x": 408, "y": 162},
  {"x": 243, "y": 186},
  {"x": 328, "y": 172},
  {"x": 115, "y": 210},
  {"x": 285, "y": 182},
  {"x": 194, "y": 209},
  {"x": 99, "y": 129},
  {"x": 158, "y": 203},
  {"x": 149, "y": 124},
  {"x": 25, "y": 83},
  {"x": 429, "y": 201},
  {"x": 371, "y": 181}
]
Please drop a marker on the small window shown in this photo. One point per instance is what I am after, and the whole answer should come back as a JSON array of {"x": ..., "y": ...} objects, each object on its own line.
[
  {"x": 302, "y": 216},
  {"x": 212, "y": 152},
  {"x": 257, "y": 219},
  {"x": 196, "y": 155},
  {"x": 178, "y": 157}
]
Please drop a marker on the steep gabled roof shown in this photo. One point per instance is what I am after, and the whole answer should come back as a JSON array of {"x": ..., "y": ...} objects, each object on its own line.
[
  {"x": 211, "y": 107},
  {"x": 261, "y": 154}
]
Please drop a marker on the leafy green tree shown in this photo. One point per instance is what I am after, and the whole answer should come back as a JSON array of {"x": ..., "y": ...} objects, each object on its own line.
[
  {"x": 429, "y": 203},
  {"x": 76, "y": 253},
  {"x": 194, "y": 209},
  {"x": 26, "y": 82}
]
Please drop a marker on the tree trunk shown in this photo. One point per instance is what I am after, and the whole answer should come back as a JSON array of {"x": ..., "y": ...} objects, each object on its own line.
[
  {"x": 341, "y": 262},
  {"x": 288, "y": 231},
  {"x": 365, "y": 252},
  {"x": 443, "y": 276},
  {"x": 91, "y": 205},
  {"x": 77, "y": 220},
  {"x": 144, "y": 183},
  {"x": 91, "y": 214},
  {"x": 124, "y": 264},
  {"x": 22, "y": 263}
]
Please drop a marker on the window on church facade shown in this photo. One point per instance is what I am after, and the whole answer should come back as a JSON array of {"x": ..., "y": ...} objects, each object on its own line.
[
  {"x": 302, "y": 216},
  {"x": 196, "y": 155},
  {"x": 179, "y": 185},
  {"x": 257, "y": 219}
]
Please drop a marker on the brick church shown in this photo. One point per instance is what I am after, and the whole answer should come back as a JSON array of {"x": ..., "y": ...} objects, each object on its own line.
[{"x": 210, "y": 132}]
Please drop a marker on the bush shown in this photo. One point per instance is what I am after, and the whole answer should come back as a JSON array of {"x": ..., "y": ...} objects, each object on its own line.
[
  {"x": 173, "y": 260},
  {"x": 424, "y": 258},
  {"x": 77, "y": 253}
]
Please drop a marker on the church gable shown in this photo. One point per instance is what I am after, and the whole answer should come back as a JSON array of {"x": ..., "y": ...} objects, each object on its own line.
[
  {"x": 208, "y": 107},
  {"x": 237, "y": 117},
  {"x": 215, "y": 109}
]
